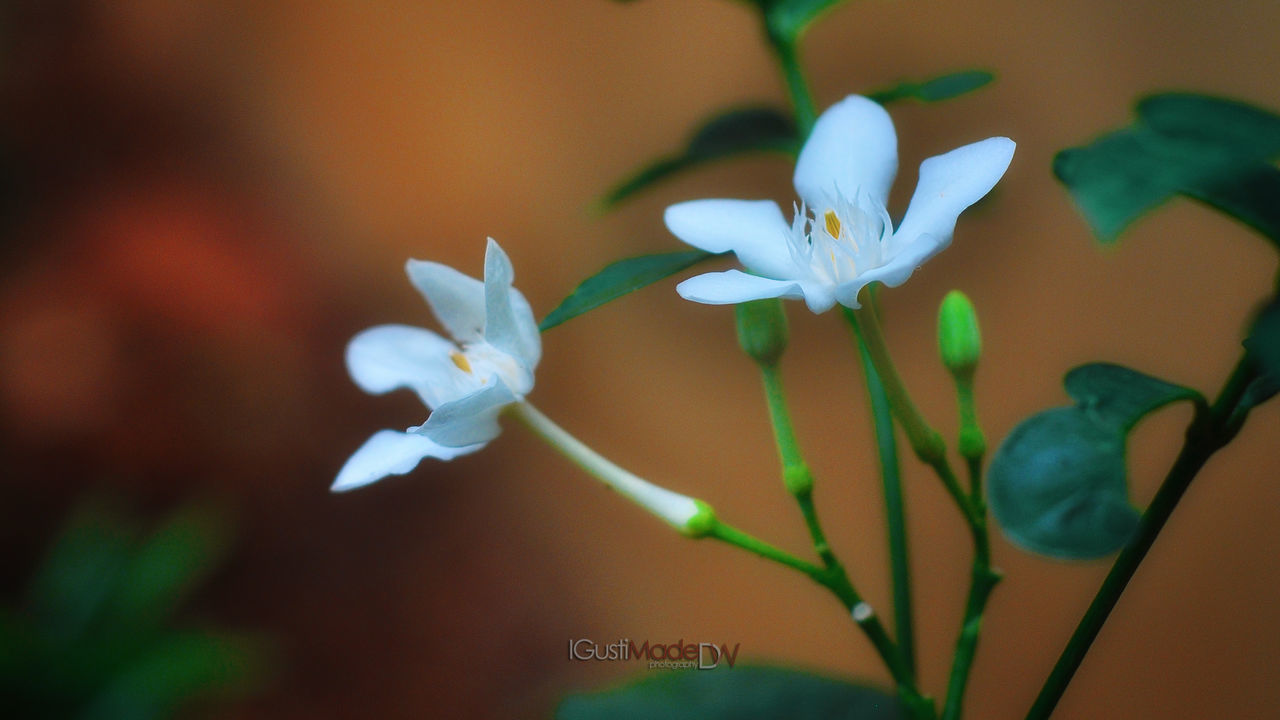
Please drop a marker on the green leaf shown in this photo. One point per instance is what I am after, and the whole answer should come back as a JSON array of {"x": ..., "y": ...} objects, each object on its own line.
[
  {"x": 1249, "y": 130},
  {"x": 730, "y": 133},
  {"x": 1209, "y": 149},
  {"x": 788, "y": 18},
  {"x": 1263, "y": 345},
  {"x": 940, "y": 88},
  {"x": 1118, "y": 396},
  {"x": 741, "y": 693},
  {"x": 618, "y": 279},
  {"x": 1058, "y": 482}
]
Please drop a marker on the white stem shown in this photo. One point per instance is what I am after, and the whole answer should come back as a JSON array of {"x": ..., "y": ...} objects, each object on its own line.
[{"x": 676, "y": 509}]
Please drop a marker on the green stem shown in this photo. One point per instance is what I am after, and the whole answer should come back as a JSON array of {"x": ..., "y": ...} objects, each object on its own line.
[
  {"x": 894, "y": 503},
  {"x": 733, "y": 536},
  {"x": 982, "y": 577},
  {"x": 783, "y": 430},
  {"x": 797, "y": 87},
  {"x": 799, "y": 482},
  {"x": 982, "y": 580},
  {"x": 1209, "y": 431},
  {"x": 835, "y": 580},
  {"x": 928, "y": 445},
  {"x": 925, "y": 441}
]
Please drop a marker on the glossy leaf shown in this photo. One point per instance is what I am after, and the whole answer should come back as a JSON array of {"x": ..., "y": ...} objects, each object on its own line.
[
  {"x": 940, "y": 88},
  {"x": 730, "y": 133},
  {"x": 741, "y": 693},
  {"x": 618, "y": 279},
  {"x": 1058, "y": 482},
  {"x": 1209, "y": 149}
]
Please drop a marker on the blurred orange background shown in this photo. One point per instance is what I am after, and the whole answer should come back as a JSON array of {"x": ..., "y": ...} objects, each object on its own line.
[{"x": 204, "y": 201}]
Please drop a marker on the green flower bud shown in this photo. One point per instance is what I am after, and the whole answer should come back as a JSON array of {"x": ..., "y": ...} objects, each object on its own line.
[
  {"x": 762, "y": 330},
  {"x": 798, "y": 480},
  {"x": 702, "y": 523},
  {"x": 959, "y": 341}
]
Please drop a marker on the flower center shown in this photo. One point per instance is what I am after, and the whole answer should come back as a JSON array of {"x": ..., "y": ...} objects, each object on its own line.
[
  {"x": 850, "y": 237},
  {"x": 483, "y": 361},
  {"x": 460, "y": 361},
  {"x": 833, "y": 223}
]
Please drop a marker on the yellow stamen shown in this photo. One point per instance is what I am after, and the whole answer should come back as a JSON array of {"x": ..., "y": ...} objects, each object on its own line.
[
  {"x": 833, "y": 224},
  {"x": 461, "y": 361}
]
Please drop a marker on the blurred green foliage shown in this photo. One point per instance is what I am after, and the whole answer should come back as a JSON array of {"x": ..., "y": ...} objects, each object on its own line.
[
  {"x": 93, "y": 637},
  {"x": 743, "y": 693}
]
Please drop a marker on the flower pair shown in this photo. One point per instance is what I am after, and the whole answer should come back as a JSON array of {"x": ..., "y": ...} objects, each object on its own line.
[{"x": 840, "y": 239}]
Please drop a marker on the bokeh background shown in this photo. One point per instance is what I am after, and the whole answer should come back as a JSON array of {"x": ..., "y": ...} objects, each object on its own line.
[{"x": 204, "y": 200}]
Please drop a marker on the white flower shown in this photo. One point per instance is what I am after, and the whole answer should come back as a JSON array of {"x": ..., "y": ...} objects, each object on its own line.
[
  {"x": 466, "y": 382},
  {"x": 843, "y": 177}
]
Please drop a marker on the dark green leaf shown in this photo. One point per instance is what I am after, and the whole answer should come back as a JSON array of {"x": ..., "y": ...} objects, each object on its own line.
[
  {"x": 742, "y": 693},
  {"x": 1058, "y": 482},
  {"x": 1115, "y": 180},
  {"x": 1118, "y": 396},
  {"x": 935, "y": 90},
  {"x": 1251, "y": 131},
  {"x": 1213, "y": 150},
  {"x": 1058, "y": 486},
  {"x": 1247, "y": 191},
  {"x": 788, "y": 18},
  {"x": 730, "y": 133},
  {"x": 1263, "y": 344},
  {"x": 618, "y": 279}
]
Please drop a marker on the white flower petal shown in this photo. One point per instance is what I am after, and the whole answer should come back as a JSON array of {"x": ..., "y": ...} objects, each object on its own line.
[
  {"x": 509, "y": 323},
  {"x": 754, "y": 230},
  {"x": 951, "y": 182},
  {"x": 854, "y": 148},
  {"x": 819, "y": 297},
  {"x": 469, "y": 420},
  {"x": 388, "y": 357},
  {"x": 391, "y": 453},
  {"x": 456, "y": 299},
  {"x": 893, "y": 273},
  {"x": 735, "y": 286}
]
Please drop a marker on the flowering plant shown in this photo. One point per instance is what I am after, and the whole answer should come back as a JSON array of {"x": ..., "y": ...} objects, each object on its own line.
[{"x": 1058, "y": 483}]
